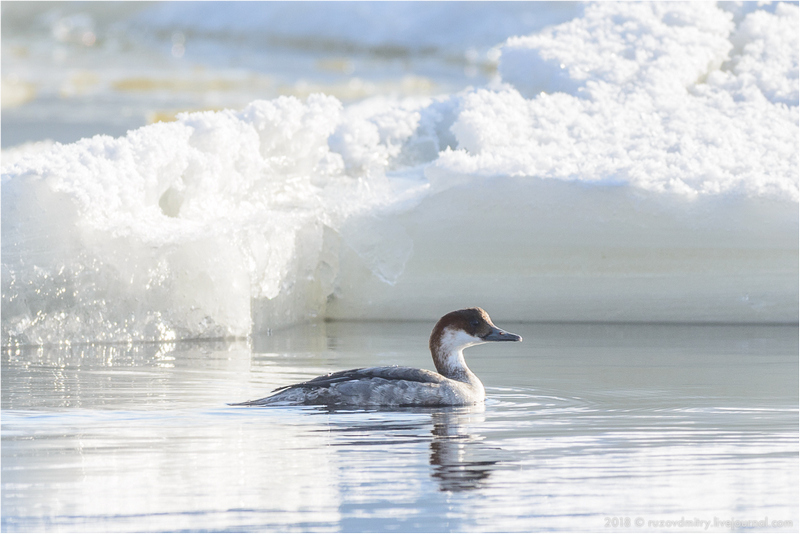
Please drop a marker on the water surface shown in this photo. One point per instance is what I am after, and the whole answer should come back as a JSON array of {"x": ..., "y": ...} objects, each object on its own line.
[{"x": 586, "y": 427}]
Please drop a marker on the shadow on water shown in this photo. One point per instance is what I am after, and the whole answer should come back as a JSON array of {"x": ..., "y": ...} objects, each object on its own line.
[
  {"x": 455, "y": 452},
  {"x": 458, "y": 459}
]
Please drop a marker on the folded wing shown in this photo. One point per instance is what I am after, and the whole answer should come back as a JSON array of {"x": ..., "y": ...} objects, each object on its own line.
[
  {"x": 393, "y": 372},
  {"x": 323, "y": 389}
]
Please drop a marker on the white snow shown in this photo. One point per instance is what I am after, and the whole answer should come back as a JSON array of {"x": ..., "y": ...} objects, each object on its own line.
[{"x": 635, "y": 163}]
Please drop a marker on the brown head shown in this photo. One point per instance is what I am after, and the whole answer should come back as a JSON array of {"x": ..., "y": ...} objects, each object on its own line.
[{"x": 461, "y": 329}]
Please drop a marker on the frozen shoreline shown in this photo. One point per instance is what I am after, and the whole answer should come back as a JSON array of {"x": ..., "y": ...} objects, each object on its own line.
[
  {"x": 539, "y": 250},
  {"x": 646, "y": 174}
]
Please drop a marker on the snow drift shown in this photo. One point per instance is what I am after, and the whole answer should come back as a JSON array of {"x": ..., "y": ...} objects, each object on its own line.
[{"x": 636, "y": 163}]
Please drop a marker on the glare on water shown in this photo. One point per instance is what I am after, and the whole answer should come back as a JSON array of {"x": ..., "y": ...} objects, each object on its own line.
[{"x": 583, "y": 425}]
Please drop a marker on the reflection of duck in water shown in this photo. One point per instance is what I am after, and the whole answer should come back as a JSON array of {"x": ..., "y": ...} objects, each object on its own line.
[
  {"x": 453, "y": 385},
  {"x": 454, "y": 455}
]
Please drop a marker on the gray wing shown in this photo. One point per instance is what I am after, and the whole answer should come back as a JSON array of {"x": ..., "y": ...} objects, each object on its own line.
[
  {"x": 318, "y": 387},
  {"x": 393, "y": 372}
]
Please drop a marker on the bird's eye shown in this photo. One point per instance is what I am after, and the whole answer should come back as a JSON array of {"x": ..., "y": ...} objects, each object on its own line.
[{"x": 474, "y": 323}]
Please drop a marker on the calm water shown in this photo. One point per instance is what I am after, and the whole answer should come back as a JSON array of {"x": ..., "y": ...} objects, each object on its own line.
[{"x": 587, "y": 427}]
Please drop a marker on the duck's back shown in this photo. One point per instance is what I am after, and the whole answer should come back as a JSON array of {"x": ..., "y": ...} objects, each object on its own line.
[{"x": 373, "y": 386}]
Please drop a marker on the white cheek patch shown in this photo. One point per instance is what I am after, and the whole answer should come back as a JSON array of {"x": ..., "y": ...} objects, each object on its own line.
[
  {"x": 449, "y": 358},
  {"x": 454, "y": 340}
]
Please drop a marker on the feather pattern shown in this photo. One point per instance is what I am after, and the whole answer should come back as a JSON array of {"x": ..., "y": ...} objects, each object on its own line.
[
  {"x": 453, "y": 385},
  {"x": 393, "y": 372}
]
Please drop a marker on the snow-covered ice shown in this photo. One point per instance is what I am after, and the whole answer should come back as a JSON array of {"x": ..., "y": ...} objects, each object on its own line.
[{"x": 638, "y": 162}]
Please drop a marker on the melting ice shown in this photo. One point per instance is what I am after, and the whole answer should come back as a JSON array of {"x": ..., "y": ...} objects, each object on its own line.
[{"x": 636, "y": 163}]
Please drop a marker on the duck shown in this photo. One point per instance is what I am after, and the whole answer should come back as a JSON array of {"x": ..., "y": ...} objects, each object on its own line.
[{"x": 454, "y": 384}]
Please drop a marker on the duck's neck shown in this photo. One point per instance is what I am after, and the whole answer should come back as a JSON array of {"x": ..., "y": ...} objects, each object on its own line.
[
  {"x": 448, "y": 356},
  {"x": 453, "y": 366}
]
